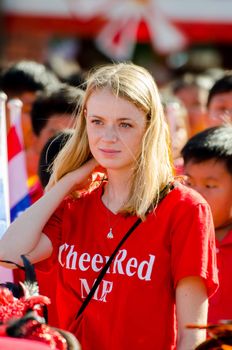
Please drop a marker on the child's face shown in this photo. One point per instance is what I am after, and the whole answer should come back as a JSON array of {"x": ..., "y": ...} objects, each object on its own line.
[
  {"x": 194, "y": 99},
  {"x": 213, "y": 181},
  {"x": 178, "y": 126},
  {"x": 220, "y": 109}
]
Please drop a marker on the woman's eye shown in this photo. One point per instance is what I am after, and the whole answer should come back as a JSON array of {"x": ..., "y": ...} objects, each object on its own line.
[
  {"x": 96, "y": 121},
  {"x": 125, "y": 125}
]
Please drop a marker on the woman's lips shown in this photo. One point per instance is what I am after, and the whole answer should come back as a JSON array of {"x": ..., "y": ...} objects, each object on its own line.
[{"x": 109, "y": 151}]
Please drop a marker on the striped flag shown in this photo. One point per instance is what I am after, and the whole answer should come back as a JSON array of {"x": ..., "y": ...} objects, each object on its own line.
[{"x": 18, "y": 189}]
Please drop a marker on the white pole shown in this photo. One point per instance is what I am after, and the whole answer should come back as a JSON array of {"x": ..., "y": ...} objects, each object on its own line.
[
  {"x": 6, "y": 275},
  {"x": 4, "y": 156}
]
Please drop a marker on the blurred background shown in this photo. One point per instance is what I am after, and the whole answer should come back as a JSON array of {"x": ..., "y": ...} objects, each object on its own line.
[{"x": 169, "y": 37}]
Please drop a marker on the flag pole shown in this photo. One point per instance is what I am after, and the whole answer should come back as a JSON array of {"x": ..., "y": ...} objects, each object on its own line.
[
  {"x": 4, "y": 156},
  {"x": 6, "y": 275}
]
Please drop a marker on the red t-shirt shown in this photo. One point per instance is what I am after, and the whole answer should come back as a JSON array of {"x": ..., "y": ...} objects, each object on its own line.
[
  {"x": 134, "y": 306},
  {"x": 220, "y": 305}
]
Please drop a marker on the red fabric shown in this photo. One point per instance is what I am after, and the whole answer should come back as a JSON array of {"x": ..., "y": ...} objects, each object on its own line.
[
  {"x": 7, "y": 343},
  {"x": 133, "y": 307},
  {"x": 13, "y": 143},
  {"x": 36, "y": 191},
  {"x": 194, "y": 31},
  {"x": 220, "y": 305},
  {"x": 11, "y": 307},
  {"x": 47, "y": 286}
]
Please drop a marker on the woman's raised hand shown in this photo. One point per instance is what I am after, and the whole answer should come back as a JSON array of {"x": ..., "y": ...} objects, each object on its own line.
[{"x": 78, "y": 178}]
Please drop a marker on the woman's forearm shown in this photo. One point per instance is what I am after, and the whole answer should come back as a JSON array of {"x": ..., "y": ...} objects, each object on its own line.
[{"x": 191, "y": 308}]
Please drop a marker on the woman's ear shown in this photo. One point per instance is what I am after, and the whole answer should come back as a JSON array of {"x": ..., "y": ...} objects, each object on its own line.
[{"x": 85, "y": 112}]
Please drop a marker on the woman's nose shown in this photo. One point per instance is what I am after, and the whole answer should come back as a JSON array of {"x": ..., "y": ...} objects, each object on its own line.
[{"x": 110, "y": 134}]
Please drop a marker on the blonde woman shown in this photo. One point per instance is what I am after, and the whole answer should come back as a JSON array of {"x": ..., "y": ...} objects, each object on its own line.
[{"x": 165, "y": 270}]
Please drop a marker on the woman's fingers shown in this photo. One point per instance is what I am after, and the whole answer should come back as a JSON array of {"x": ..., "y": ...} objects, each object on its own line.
[{"x": 79, "y": 178}]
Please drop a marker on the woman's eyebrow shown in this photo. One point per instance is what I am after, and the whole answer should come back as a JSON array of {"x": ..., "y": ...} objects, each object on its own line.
[
  {"x": 101, "y": 117},
  {"x": 94, "y": 116},
  {"x": 124, "y": 118}
]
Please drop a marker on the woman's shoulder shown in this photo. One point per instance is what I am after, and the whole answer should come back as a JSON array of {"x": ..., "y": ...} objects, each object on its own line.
[
  {"x": 183, "y": 195},
  {"x": 181, "y": 203}
]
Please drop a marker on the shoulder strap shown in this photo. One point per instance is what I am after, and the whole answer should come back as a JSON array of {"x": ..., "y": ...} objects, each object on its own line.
[{"x": 105, "y": 268}]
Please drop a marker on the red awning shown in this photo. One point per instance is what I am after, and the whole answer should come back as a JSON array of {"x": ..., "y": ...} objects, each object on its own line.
[{"x": 194, "y": 31}]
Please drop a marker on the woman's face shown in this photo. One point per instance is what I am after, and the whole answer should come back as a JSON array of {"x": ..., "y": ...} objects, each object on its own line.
[{"x": 115, "y": 129}]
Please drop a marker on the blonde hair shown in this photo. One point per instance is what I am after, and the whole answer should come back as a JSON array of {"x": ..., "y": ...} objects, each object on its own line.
[{"x": 153, "y": 169}]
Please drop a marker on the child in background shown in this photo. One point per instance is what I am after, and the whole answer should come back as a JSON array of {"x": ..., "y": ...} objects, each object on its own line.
[
  {"x": 53, "y": 111},
  {"x": 177, "y": 118},
  {"x": 208, "y": 166},
  {"x": 220, "y": 101},
  {"x": 24, "y": 79},
  {"x": 193, "y": 90}
]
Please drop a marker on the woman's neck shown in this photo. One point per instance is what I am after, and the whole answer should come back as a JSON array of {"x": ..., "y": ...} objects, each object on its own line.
[{"x": 117, "y": 190}]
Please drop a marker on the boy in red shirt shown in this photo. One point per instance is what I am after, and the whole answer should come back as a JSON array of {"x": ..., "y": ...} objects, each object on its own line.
[{"x": 208, "y": 166}]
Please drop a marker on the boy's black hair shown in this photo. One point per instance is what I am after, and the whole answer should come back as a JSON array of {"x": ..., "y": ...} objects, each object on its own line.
[
  {"x": 213, "y": 143},
  {"x": 49, "y": 153},
  {"x": 26, "y": 76},
  {"x": 64, "y": 99},
  {"x": 221, "y": 86}
]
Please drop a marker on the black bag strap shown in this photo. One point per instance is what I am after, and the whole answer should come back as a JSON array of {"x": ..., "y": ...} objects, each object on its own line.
[{"x": 105, "y": 268}]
